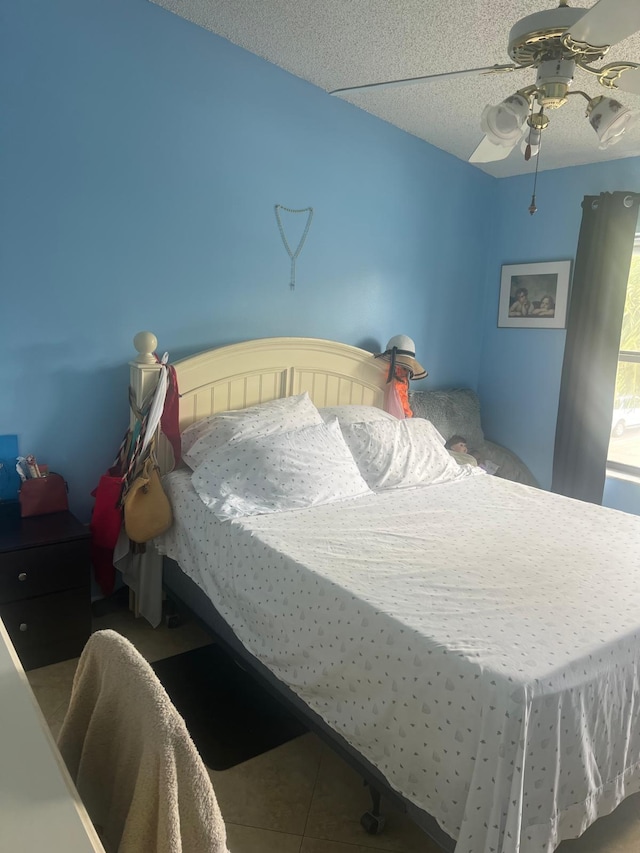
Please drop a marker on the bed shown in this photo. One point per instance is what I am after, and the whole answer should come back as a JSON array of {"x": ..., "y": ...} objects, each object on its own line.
[{"x": 471, "y": 645}]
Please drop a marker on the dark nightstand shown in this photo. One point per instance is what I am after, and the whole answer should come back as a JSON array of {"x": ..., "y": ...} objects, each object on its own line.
[{"x": 45, "y": 588}]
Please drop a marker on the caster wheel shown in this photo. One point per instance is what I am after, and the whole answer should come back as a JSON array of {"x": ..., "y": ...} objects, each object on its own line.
[
  {"x": 373, "y": 824},
  {"x": 173, "y": 620}
]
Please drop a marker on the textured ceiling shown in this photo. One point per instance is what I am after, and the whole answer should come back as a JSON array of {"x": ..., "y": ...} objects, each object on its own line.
[{"x": 338, "y": 43}]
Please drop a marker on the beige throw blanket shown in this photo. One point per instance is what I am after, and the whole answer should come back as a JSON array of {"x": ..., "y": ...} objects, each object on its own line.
[{"x": 132, "y": 759}]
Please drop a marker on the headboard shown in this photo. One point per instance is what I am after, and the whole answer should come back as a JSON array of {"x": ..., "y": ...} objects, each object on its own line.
[{"x": 244, "y": 374}]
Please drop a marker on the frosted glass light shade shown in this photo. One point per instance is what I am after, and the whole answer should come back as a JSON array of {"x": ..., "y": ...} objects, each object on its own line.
[
  {"x": 503, "y": 123},
  {"x": 610, "y": 119}
]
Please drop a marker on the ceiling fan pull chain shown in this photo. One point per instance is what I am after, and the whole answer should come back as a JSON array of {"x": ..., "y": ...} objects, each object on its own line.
[
  {"x": 532, "y": 207},
  {"x": 293, "y": 255},
  {"x": 527, "y": 150}
]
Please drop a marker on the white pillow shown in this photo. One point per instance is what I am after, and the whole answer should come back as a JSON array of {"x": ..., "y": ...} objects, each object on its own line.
[
  {"x": 400, "y": 453},
  {"x": 277, "y": 472},
  {"x": 282, "y": 415},
  {"x": 355, "y": 414}
]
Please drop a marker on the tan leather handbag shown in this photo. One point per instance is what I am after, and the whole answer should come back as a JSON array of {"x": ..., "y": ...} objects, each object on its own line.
[{"x": 147, "y": 511}]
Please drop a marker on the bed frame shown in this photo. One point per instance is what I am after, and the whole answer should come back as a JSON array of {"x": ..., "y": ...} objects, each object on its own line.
[{"x": 245, "y": 374}]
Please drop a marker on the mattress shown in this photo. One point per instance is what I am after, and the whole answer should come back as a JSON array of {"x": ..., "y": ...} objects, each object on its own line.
[{"x": 477, "y": 641}]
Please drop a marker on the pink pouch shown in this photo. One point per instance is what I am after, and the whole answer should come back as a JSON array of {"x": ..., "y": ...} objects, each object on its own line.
[{"x": 392, "y": 401}]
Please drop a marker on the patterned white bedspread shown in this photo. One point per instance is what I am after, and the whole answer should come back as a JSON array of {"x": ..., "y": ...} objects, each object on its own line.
[{"x": 477, "y": 641}]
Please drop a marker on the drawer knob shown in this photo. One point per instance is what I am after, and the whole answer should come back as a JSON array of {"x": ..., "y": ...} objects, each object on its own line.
[
  {"x": 22, "y": 576},
  {"x": 23, "y": 626}
]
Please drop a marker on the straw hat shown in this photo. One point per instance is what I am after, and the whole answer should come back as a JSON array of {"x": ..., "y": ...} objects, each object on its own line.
[{"x": 402, "y": 350}]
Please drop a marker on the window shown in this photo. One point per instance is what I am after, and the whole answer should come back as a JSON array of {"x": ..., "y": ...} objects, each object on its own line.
[{"x": 624, "y": 444}]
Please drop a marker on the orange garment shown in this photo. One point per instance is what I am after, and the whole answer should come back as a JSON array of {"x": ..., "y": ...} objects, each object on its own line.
[
  {"x": 396, "y": 394},
  {"x": 401, "y": 382}
]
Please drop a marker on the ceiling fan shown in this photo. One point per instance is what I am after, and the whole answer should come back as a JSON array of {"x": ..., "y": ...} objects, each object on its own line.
[{"x": 556, "y": 42}]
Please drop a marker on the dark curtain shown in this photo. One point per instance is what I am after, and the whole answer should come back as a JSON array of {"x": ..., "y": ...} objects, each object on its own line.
[{"x": 596, "y": 309}]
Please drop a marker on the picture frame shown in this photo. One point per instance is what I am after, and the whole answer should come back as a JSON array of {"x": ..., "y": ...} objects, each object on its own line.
[{"x": 534, "y": 296}]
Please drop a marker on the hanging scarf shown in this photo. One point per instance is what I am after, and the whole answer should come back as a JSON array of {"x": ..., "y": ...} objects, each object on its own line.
[{"x": 169, "y": 423}]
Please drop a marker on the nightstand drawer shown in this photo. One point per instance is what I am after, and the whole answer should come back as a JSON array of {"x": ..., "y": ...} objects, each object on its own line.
[
  {"x": 49, "y": 628},
  {"x": 40, "y": 571}
]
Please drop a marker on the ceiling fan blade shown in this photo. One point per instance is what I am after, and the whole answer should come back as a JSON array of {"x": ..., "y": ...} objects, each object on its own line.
[
  {"x": 629, "y": 81},
  {"x": 388, "y": 84},
  {"x": 488, "y": 152},
  {"x": 608, "y": 22}
]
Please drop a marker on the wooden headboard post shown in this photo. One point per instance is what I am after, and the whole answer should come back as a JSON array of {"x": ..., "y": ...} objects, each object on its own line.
[
  {"x": 143, "y": 378},
  {"x": 144, "y": 369},
  {"x": 143, "y": 575}
]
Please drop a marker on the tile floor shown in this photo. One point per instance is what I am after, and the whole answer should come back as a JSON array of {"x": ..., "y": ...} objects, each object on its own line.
[{"x": 300, "y": 797}]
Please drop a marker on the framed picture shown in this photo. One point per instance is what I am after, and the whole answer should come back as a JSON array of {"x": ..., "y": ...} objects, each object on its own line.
[{"x": 534, "y": 296}]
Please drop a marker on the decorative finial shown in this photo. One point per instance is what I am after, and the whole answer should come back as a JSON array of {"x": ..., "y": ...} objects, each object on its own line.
[
  {"x": 532, "y": 206},
  {"x": 146, "y": 344}
]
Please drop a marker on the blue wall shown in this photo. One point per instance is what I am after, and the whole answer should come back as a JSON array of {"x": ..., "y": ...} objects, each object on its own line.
[
  {"x": 142, "y": 158},
  {"x": 520, "y": 372}
]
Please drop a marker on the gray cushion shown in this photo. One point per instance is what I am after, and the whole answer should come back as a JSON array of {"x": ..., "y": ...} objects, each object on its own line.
[
  {"x": 455, "y": 412},
  {"x": 510, "y": 466}
]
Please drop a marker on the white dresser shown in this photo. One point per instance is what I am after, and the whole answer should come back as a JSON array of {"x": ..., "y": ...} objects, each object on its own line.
[{"x": 39, "y": 806}]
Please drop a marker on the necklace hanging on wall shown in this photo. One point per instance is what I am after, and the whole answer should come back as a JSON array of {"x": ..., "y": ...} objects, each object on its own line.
[{"x": 293, "y": 255}]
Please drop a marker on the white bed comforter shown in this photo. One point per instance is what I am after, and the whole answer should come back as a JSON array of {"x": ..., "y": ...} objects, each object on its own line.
[{"x": 477, "y": 641}]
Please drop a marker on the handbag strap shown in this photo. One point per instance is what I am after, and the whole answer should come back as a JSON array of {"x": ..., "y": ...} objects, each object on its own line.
[
  {"x": 136, "y": 464},
  {"x": 122, "y": 455}
]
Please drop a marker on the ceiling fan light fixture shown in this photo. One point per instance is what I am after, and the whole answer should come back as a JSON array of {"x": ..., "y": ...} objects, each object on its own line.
[
  {"x": 610, "y": 119},
  {"x": 554, "y": 80},
  {"x": 504, "y": 122}
]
